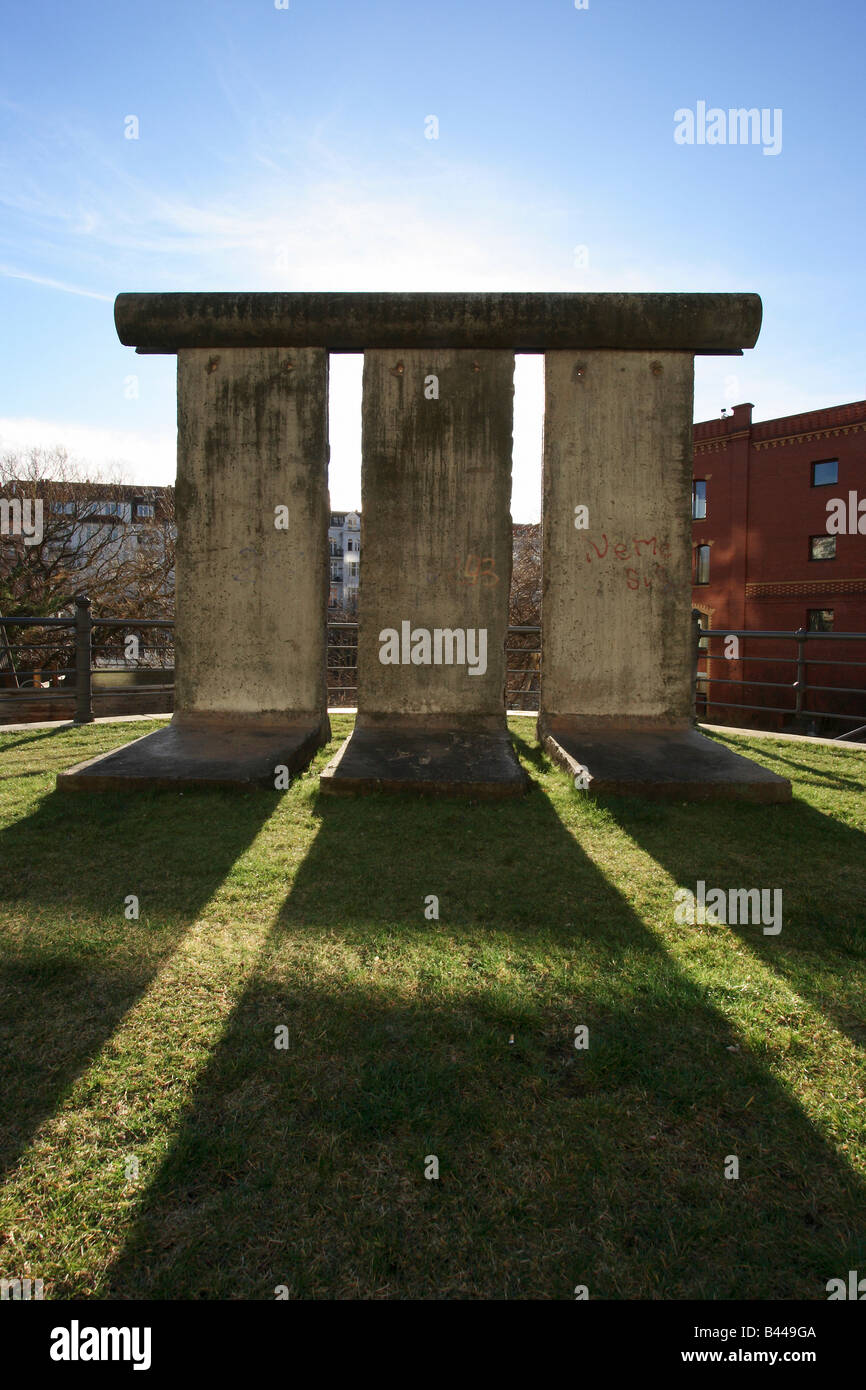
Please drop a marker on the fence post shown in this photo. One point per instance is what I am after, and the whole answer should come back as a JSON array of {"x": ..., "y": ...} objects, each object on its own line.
[
  {"x": 696, "y": 651},
  {"x": 8, "y": 650},
  {"x": 800, "y": 683},
  {"x": 83, "y": 658}
]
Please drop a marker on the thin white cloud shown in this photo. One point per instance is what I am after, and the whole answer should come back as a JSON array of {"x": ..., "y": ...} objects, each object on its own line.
[
  {"x": 10, "y": 273},
  {"x": 289, "y": 210}
]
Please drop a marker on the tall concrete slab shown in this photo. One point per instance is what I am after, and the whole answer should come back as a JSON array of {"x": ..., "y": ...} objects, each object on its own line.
[
  {"x": 617, "y": 667},
  {"x": 616, "y": 608},
  {"x": 251, "y": 575},
  {"x": 251, "y": 580},
  {"x": 433, "y": 602}
]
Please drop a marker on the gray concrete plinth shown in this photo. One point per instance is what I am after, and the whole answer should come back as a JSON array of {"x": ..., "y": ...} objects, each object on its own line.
[
  {"x": 660, "y": 764},
  {"x": 436, "y": 541},
  {"x": 429, "y": 758},
  {"x": 214, "y": 754}
]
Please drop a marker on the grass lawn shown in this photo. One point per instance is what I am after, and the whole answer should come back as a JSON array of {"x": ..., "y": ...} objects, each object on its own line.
[{"x": 150, "y": 1044}]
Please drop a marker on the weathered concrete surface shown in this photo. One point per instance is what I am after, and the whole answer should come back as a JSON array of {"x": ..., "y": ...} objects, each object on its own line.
[
  {"x": 251, "y": 598},
  {"x": 212, "y": 755},
  {"x": 429, "y": 758},
  {"x": 251, "y": 595},
  {"x": 530, "y": 322},
  {"x": 616, "y": 607},
  {"x": 436, "y": 541},
  {"x": 674, "y": 765},
  {"x": 436, "y": 486}
]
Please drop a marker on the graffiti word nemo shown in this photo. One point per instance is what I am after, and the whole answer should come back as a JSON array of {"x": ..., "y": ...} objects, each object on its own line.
[{"x": 634, "y": 548}]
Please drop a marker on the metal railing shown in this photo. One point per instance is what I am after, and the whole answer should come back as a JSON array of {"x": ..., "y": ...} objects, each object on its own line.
[
  {"x": 522, "y": 682},
  {"x": 801, "y": 688},
  {"x": 69, "y": 671},
  {"x": 72, "y": 655}
]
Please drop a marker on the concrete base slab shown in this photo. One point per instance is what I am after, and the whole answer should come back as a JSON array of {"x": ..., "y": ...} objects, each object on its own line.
[
  {"x": 217, "y": 755},
  {"x": 660, "y": 764},
  {"x": 429, "y": 761}
]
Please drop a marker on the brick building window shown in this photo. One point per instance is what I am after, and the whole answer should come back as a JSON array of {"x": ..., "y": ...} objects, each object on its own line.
[
  {"x": 825, "y": 473},
  {"x": 699, "y": 499},
  {"x": 702, "y": 564},
  {"x": 819, "y": 619},
  {"x": 822, "y": 547}
]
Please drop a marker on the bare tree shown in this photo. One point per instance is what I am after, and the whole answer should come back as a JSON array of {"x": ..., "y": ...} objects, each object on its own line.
[
  {"x": 82, "y": 541},
  {"x": 65, "y": 530},
  {"x": 524, "y": 611},
  {"x": 525, "y": 599}
]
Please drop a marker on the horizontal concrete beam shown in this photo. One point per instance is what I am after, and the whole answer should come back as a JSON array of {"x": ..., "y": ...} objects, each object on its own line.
[{"x": 698, "y": 323}]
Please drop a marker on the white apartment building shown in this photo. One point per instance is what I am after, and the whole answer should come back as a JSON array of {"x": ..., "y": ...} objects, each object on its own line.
[
  {"x": 344, "y": 550},
  {"x": 129, "y": 520}
]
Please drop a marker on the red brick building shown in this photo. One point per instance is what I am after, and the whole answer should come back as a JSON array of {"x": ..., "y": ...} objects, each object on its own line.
[{"x": 779, "y": 543}]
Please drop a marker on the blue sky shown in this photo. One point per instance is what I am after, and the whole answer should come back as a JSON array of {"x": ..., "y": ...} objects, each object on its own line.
[{"x": 286, "y": 149}]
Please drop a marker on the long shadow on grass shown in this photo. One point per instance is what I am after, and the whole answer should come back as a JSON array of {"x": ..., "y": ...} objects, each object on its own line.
[
  {"x": 819, "y": 776},
  {"x": 71, "y": 963},
  {"x": 9, "y": 742},
  {"x": 816, "y": 861},
  {"x": 305, "y": 1167}
]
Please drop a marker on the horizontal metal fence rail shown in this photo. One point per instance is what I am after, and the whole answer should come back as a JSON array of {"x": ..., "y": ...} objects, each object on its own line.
[
  {"x": 338, "y": 687},
  {"x": 530, "y": 675},
  {"x": 522, "y": 680},
  {"x": 79, "y": 648},
  {"x": 800, "y": 687}
]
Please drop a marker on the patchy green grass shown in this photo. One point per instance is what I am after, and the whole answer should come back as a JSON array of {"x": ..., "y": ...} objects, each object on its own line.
[{"x": 151, "y": 1042}]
